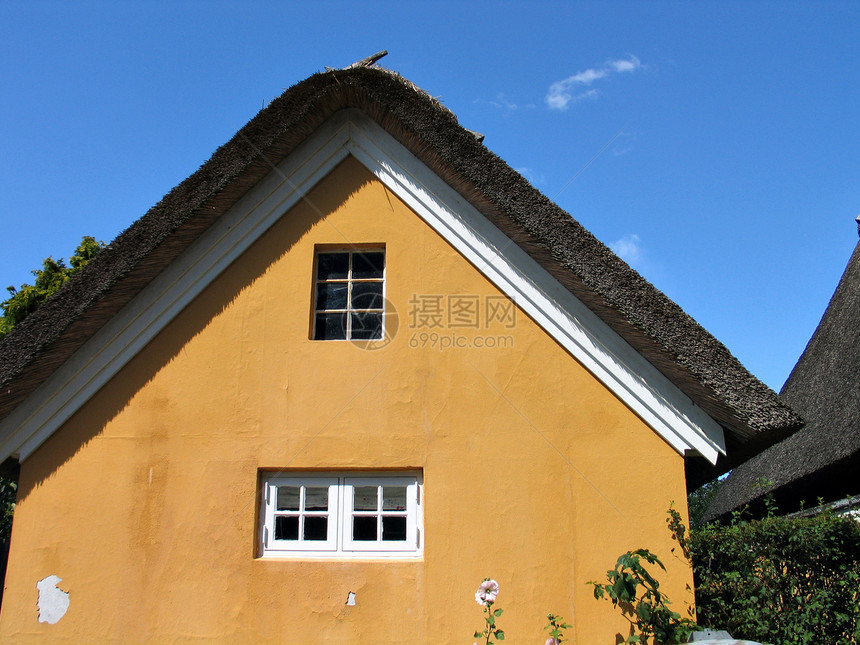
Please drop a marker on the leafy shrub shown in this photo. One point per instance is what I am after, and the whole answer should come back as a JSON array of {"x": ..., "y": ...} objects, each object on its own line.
[
  {"x": 555, "y": 628},
  {"x": 791, "y": 580},
  {"x": 637, "y": 594}
]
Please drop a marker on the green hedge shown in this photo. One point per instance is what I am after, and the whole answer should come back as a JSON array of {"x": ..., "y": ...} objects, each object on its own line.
[{"x": 781, "y": 580}]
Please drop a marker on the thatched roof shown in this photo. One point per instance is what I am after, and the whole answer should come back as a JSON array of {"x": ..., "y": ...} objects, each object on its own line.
[
  {"x": 672, "y": 341},
  {"x": 822, "y": 459}
]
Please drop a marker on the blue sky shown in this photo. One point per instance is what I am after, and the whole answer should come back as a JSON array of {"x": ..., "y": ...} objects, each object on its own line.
[{"x": 714, "y": 145}]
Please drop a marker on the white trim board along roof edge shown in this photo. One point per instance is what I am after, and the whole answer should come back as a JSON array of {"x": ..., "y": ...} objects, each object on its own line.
[{"x": 645, "y": 390}]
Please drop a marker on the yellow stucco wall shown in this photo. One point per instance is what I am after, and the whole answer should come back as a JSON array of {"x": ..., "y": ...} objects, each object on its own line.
[{"x": 145, "y": 502}]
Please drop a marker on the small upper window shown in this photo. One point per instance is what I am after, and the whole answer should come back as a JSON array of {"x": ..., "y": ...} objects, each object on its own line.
[{"x": 348, "y": 295}]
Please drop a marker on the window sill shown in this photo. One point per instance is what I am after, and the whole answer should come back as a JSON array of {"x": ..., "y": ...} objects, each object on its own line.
[{"x": 388, "y": 556}]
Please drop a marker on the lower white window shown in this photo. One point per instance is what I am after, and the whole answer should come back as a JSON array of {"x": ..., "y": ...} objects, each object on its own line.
[{"x": 341, "y": 515}]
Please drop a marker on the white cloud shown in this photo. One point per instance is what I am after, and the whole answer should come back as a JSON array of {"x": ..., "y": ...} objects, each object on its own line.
[
  {"x": 559, "y": 99},
  {"x": 628, "y": 248},
  {"x": 630, "y": 65},
  {"x": 564, "y": 92},
  {"x": 587, "y": 77},
  {"x": 502, "y": 101},
  {"x": 533, "y": 177},
  {"x": 556, "y": 98}
]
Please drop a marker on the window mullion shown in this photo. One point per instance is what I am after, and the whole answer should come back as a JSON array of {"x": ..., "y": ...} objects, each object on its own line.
[
  {"x": 301, "y": 513},
  {"x": 349, "y": 299},
  {"x": 344, "y": 491},
  {"x": 269, "y": 509},
  {"x": 379, "y": 495}
]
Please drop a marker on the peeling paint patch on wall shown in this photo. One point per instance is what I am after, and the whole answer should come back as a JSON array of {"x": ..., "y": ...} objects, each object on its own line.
[
  {"x": 53, "y": 602},
  {"x": 350, "y": 599}
]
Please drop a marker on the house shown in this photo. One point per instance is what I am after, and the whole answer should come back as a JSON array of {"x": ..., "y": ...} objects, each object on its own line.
[
  {"x": 350, "y": 367},
  {"x": 822, "y": 460}
]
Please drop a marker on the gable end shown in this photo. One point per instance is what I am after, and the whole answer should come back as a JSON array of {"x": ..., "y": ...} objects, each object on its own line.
[{"x": 644, "y": 389}]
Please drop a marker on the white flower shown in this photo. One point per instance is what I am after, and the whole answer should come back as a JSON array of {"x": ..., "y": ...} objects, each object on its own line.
[{"x": 487, "y": 592}]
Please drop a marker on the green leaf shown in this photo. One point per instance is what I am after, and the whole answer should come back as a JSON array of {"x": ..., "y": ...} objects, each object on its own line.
[
  {"x": 498, "y": 612},
  {"x": 500, "y": 635}
]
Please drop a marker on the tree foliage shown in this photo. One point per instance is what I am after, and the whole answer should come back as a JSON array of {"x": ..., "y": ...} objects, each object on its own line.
[
  {"x": 699, "y": 500},
  {"x": 53, "y": 275},
  {"x": 780, "y": 579},
  {"x": 20, "y": 304},
  {"x": 8, "y": 491}
]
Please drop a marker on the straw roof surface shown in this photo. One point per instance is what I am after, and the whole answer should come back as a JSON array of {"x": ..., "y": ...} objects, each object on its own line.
[
  {"x": 654, "y": 325},
  {"x": 822, "y": 459}
]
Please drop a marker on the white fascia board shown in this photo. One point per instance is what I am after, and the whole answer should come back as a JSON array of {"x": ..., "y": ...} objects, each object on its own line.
[
  {"x": 657, "y": 401},
  {"x": 643, "y": 388},
  {"x": 128, "y": 332}
]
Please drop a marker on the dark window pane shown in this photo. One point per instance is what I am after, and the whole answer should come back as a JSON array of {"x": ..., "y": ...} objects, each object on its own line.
[
  {"x": 332, "y": 295},
  {"x": 364, "y": 528},
  {"x": 367, "y": 295},
  {"x": 316, "y": 498},
  {"x": 394, "y": 498},
  {"x": 332, "y": 266},
  {"x": 393, "y": 529},
  {"x": 367, "y": 265},
  {"x": 316, "y": 527},
  {"x": 366, "y": 326},
  {"x": 288, "y": 498},
  {"x": 330, "y": 327},
  {"x": 365, "y": 498},
  {"x": 286, "y": 528}
]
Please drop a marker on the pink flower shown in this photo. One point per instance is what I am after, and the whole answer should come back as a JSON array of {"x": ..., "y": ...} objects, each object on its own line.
[
  {"x": 551, "y": 641},
  {"x": 487, "y": 592}
]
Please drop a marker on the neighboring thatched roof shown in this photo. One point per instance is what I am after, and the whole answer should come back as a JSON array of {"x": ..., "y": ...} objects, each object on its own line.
[
  {"x": 822, "y": 459},
  {"x": 688, "y": 355}
]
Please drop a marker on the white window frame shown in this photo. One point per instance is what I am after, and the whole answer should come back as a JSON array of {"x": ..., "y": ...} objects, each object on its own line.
[
  {"x": 349, "y": 281},
  {"x": 270, "y": 498},
  {"x": 340, "y": 513},
  {"x": 410, "y": 513}
]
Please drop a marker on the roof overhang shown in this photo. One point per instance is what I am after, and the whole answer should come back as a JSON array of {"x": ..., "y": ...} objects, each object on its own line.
[{"x": 615, "y": 363}]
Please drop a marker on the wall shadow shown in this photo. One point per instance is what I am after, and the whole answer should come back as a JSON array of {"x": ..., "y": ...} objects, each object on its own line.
[{"x": 94, "y": 416}]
